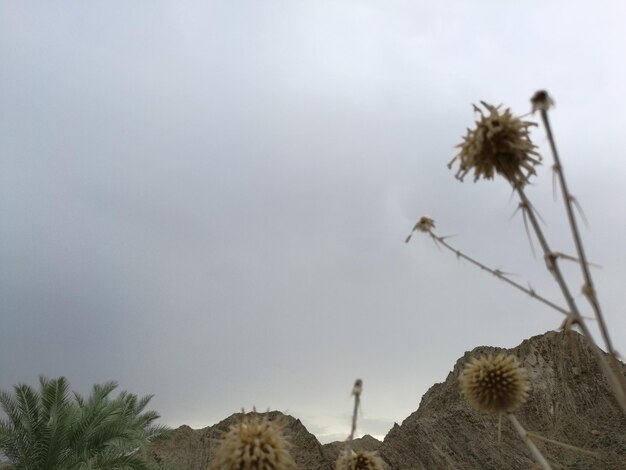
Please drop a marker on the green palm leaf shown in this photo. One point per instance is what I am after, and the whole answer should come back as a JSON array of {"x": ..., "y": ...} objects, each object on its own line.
[{"x": 51, "y": 429}]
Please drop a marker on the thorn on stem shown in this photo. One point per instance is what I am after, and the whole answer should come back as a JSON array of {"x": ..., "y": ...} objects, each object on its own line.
[
  {"x": 555, "y": 169},
  {"x": 499, "y": 273},
  {"x": 579, "y": 209},
  {"x": 551, "y": 261},
  {"x": 588, "y": 292},
  {"x": 524, "y": 207}
]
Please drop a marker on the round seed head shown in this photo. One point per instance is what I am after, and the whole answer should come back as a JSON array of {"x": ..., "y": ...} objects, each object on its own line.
[
  {"x": 361, "y": 460},
  {"x": 495, "y": 384},
  {"x": 500, "y": 143},
  {"x": 254, "y": 444}
]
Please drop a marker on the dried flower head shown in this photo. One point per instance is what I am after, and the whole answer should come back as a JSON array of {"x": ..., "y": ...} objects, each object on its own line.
[
  {"x": 495, "y": 384},
  {"x": 254, "y": 444},
  {"x": 425, "y": 224},
  {"x": 361, "y": 460},
  {"x": 501, "y": 144},
  {"x": 541, "y": 101}
]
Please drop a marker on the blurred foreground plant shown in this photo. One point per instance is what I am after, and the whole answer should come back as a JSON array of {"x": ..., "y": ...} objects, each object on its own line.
[{"x": 256, "y": 443}]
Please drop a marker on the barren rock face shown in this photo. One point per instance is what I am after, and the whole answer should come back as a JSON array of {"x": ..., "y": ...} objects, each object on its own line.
[
  {"x": 569, "y": 402},
  {"x": 190, "y": 449}
]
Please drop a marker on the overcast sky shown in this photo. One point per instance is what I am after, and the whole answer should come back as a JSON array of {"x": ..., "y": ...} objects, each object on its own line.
[{"x": 207, "y": 201}]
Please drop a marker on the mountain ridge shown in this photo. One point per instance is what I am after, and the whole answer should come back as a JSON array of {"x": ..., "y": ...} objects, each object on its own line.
[{"x": 570, "y": 402}]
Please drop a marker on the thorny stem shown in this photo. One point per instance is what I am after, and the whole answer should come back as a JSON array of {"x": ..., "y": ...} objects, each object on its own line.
[
  {"x": 541, "y": 460},
  {"x": 588, "y": 289},
  {"x": 553, "y": 266},
  {"x": 551, "y": 260},
  {"x": 496, "y": 272}
]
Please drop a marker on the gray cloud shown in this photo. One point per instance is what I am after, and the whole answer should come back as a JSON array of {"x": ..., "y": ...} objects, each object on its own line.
[{"x": 208, "y": 201}]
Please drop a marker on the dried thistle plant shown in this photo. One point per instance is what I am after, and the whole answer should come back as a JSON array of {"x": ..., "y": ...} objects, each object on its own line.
[
  {"x": 494, "y": 383},
  {"x": 427, "y": 225},
  {"x": 256, "y": 443},
  {"x": 542, "y": 102},
  {"x": 361, "y": 460},
  {"x": 500, "y": 143}
]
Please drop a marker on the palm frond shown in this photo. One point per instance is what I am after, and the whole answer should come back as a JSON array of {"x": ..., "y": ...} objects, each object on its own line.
[{"x": 55, "y": 429}]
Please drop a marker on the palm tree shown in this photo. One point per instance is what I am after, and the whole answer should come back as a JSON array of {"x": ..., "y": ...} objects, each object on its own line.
[{"x": 51, "y": 430}]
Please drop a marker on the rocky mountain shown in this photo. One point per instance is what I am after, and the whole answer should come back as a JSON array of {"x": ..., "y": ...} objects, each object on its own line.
[
  {"x": 190, "y": 449},
  {"x": 570, "y": 402}
]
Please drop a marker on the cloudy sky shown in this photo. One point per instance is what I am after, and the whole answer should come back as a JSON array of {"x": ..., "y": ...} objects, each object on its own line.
[{"x": 207, "y": 201}]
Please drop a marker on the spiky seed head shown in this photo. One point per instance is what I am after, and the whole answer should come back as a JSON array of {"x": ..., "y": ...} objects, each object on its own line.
[
  {"x": 361, "y": 460},
  {"x": 254, "y": 444},
  {"x": 541, "y": 101},
  {"x": 500, "y": 143},
  {"x": 494, "y": 383}
]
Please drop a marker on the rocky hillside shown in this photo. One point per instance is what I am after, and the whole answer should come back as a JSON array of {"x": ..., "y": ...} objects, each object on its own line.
[
  {"x": 570, "y": 402},
  {"x": 190, "y": 449}
]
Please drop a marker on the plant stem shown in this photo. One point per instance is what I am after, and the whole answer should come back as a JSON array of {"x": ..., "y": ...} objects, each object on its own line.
[
  {"x": 356, "y": 391},
  {"x": 357, "y": 399},
  {"x": 496, "y": 273},
  {"x": 532, "y": 435},
  {"x": 541, "y": 460},
  {"x": 588, "y": 288},
  {"x": 550, "y": 259},
  {"x": 615, "y": 382}
]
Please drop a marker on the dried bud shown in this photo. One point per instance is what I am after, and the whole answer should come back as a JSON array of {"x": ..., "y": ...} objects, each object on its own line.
[
  {"x": 501, "y": 144},
  {"x": 425, "y": 224},
  {"x": 541, "y": 101},
  {"x": 495, "y": 384}
]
